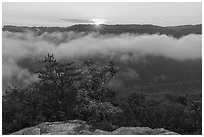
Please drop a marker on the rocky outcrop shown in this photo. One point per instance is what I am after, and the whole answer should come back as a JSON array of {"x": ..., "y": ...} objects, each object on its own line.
[
  {"x": 79, "y": 127},
  {"x": 142, "y": 131}
]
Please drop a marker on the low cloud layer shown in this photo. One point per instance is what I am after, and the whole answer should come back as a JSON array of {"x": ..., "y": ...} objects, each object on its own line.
[
  {"x": 78, "y": 20},
  {"x": 66, "y": 45}
]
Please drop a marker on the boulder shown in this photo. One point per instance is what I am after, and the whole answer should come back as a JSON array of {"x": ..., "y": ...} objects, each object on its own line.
[
  {"x": 142, "y": 131},
  {"x": 79, "y": 127},
  {"x": 28, "y": 131}
]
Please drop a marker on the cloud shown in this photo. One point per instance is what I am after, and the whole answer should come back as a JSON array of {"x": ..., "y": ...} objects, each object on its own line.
[
  {"x": 78, "y": 20},
  {"x": 69, "y": 45}
]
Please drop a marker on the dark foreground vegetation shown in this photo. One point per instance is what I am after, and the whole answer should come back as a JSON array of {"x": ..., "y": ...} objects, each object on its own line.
[{"x": 79, "y": 91}]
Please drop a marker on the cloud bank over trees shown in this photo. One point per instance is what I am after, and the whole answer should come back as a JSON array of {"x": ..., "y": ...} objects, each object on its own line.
[{"x": 69, "y": 45}]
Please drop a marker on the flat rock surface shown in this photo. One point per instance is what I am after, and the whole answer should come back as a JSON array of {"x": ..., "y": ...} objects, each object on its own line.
[{"x": 79, "y": 127}]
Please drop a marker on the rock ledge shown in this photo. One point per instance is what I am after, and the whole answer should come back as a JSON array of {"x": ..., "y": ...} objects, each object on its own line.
[{"x": 79, "y": 127}]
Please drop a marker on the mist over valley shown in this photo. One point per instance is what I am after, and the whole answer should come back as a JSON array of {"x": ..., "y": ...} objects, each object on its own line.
[{"x": 143, "y": 58}]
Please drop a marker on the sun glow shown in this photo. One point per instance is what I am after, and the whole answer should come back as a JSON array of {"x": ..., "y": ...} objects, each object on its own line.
[{"x": 97, "y": 22}]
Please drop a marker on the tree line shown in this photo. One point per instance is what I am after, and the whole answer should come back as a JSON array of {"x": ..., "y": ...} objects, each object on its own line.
[{"x": 66, "y": 91}]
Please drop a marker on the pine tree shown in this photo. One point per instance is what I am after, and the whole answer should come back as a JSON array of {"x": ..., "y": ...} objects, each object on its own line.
[{"x": 58, "y": 82}]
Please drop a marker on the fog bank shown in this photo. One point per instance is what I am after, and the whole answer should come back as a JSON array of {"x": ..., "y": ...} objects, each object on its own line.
[{"x": 17, "y": 46}]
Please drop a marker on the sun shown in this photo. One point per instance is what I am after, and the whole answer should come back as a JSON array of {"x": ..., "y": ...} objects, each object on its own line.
[{"x": 97, "y": 22}]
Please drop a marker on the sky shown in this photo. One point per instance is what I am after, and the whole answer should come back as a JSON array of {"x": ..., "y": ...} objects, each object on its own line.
[{"x": 66, "y": 14}]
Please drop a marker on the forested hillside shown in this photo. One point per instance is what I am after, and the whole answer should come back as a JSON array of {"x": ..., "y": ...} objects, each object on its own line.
[
  {"x": 79, "y": 90},
  {"x": 175, "y": 31}
]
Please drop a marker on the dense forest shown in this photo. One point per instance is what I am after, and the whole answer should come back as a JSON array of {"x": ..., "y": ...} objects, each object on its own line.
[
  {"x": 80, "y": 90},
  {"x": 175, "y": 31}
]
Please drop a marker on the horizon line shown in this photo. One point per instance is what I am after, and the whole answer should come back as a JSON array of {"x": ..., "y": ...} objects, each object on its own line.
[{"x": 100, "y": 24}]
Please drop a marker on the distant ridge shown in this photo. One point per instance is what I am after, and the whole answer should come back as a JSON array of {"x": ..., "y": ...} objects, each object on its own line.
[{"x": 175, "y": 31}]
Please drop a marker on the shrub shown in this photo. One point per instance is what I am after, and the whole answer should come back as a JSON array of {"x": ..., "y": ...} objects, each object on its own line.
[{"x": 94, "y": 97}]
